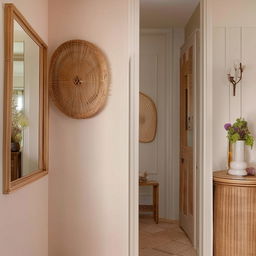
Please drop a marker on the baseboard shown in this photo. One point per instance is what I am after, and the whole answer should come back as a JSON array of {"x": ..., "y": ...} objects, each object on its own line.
[{"x": 169, "y": 221}]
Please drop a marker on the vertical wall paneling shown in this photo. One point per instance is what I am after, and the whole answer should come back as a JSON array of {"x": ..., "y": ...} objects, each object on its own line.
[
  {"x": 153, "y": 82},
  {"x": 233, "y": 54},
  {"x": 174, "y": 152},
  {"x": 232, "y": 44},
  {"x": 221, "y": 97},
  {"x": 148, "y": 85},
  {"x": 168, "y": 132},
  {"x": 248, "y": 39},
  {"x": 159, "y": 78}
]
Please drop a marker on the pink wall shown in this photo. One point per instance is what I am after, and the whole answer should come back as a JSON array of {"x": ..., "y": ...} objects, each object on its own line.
[
  {"x": 24, "y": 213},
  {"x": 88, "y": 180}
]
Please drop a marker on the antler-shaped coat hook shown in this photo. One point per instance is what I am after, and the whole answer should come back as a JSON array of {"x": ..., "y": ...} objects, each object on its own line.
[{"x": 235, "y": 78}]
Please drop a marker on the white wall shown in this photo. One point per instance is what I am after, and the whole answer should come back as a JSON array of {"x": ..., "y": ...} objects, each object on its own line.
[
  {"x": 159, "y": 69},
  {"x": 24, "y": 213},
  {"x": 234, "y": 38},
  {"x": 232, "y": 13},
  {"x": 30, "y": 151},
  {"x": 89, "y": 178}
]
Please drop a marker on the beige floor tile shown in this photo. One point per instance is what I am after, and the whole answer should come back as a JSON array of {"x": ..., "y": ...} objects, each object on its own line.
[
  {"x": 167, "y": 236},
  {"x": 152, "y": 252},
  {"x": 163, "y": 239},
  {"x": 175, "y": 235},
  {"x": 173, "y": 247},
  {"x": 167, "y": 226},
  {"x": 146, "y": 243},
  {"x": 189, "y": 252},
  {"x": 183, "y": 240},
  {"x": 148, "y": 219},
  {"x": 152, "y": 228},
  {"x": 144, "y": 234},
  {"x": 154, "y": 240}
]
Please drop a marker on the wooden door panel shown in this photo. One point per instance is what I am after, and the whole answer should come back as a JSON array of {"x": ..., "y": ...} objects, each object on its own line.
[
  {"x": 185, "y": 187},
  {"x": 186, "y": 143},
  {"x": 187, "y": 182},
  {"x": 190, "y": 185}
]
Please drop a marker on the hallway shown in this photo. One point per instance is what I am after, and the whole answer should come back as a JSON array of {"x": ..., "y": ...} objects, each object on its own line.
[{"x": 163, "y": 239}]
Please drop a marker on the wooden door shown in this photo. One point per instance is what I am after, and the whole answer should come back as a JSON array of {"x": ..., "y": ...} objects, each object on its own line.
[{"x": 186, "y": 143}]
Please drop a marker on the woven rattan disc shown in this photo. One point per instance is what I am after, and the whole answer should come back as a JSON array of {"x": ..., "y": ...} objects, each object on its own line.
[
  {"x": 148, "y": 118},
  {"x": 79, "y": 79}
]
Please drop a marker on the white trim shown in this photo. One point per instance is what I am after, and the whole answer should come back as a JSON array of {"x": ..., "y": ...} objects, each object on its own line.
[
  {"x": 134, "y": 8},
  {"x": 205, "y": 165}
]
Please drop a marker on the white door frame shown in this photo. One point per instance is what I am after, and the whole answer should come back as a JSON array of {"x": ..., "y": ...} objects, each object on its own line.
[
  {"x": 205, "y": 216},
  {"x": 205, "y": 245}
]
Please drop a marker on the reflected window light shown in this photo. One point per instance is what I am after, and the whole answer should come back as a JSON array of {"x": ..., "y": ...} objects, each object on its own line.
[
  {"x": 20, "y": 104},
  {"x": 19, "y": 100}
]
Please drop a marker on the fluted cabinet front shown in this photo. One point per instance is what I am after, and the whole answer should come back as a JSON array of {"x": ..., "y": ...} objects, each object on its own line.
[{"x": 234, "y": 215}]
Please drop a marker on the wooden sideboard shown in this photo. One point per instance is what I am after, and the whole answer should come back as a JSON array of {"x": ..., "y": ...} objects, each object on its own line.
[
  {"x": 15, "y": 165},
  {"x": 234, "y": 215}
]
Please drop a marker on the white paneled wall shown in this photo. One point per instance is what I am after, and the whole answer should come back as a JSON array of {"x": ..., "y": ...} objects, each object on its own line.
[
  {"x": 153, "y": 82},
  {"x": 232, "y": 44},
  {"x": 159, "y": 79}
]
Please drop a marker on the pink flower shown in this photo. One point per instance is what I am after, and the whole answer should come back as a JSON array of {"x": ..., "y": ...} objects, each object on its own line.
[
  {"x": 251, "y": 171},
  {"x": 227, "y": 126}
]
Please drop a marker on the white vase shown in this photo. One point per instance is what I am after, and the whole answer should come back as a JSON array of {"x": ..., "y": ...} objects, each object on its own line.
[{"x": 238, "y": 166}]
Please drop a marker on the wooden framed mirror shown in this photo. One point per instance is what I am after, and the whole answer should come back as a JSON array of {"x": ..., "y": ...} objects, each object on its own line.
[{"x": 25, "y": 103}]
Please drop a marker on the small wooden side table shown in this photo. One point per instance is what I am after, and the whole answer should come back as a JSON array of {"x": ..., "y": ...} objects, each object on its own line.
[
  {"x": 155, "y": 206},
  {"x": 234, "y": 215}
]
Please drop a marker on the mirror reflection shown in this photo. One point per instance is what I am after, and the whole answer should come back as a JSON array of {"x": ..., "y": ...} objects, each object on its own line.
[{"x": 25, "y": 105}]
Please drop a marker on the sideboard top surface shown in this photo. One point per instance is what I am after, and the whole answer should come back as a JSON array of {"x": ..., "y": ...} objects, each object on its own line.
[{"x": 222, "y": 177}]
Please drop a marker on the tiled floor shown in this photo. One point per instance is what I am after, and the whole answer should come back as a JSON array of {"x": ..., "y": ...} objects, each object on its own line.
[{"x": 163, "y": 239}]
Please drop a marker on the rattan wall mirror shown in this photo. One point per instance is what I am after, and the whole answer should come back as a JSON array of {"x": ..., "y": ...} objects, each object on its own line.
[
  {"x": 25, "y": 103},
  {"x": 147, "y": 119},
  {"x": 79, "y": 79}
]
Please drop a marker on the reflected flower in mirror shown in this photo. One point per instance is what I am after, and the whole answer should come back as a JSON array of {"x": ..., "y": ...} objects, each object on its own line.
[{"x": 19, "y": 122}]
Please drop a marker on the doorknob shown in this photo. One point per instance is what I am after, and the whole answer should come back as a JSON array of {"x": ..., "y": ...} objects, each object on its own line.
[{"x": 182, "y": 160}]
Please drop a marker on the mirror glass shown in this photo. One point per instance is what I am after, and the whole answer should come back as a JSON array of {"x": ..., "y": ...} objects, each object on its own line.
[{"x": 25, "y": 111}]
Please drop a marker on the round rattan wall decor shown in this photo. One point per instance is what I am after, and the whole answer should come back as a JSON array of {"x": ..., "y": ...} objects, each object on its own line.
[
  {"x": 148, "y": 119},
  {"x": 79, "y": 79}
]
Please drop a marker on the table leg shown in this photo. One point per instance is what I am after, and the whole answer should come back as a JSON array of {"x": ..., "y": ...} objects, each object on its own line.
[{"x": 156, "y": 203}]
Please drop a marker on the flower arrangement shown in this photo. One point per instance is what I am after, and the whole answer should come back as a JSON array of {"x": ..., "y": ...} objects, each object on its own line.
[
  {"x": 239, "y": 131},
  {"x": 19, "y": 122}
]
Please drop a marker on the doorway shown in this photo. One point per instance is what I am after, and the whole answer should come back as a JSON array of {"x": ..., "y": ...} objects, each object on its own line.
[
  {"x": 204, "y": 242},
  {"x": 169, "y": 59}
]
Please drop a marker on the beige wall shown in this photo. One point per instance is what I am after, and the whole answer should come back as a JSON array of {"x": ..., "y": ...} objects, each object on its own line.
[
  {"x": 193, "y": 23},
  {"x": 232, "y": 13},
  {"x": 24, "y": 214},
  {"x": 234, "y": 38},
  {"x": 88, "y": 181}
]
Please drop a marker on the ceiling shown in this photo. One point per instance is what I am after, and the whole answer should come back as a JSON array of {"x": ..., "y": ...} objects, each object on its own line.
[{"x": 166, "y": 13}]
